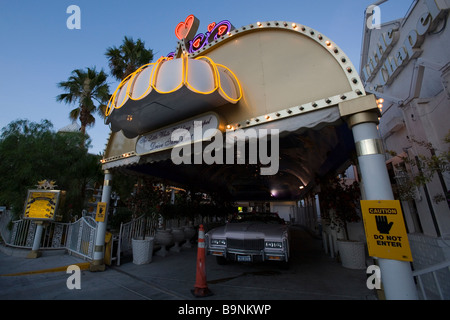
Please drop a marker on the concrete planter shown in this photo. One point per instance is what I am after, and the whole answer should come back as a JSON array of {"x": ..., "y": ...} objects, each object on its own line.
[
  {"x": 142, "y": 250},
  {"x": 178, "y": 237},
  {"x": 164, "y": 238},
  {"x": 189, "y": 233},
  {"x": 352, "y": 253}
]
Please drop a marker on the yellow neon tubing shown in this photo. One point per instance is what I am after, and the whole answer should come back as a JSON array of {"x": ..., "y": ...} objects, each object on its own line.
[
  {"x": 111, "y": 101},
  {"x": 156, "y": 69},
  {"x": 184, "y": 81},
  {"x": 113, "y": 97},
  {"x": 215, "y": 72},
  {"x": 136, "y": 73},
  {"x": 108, "y": 107},
  {"x": 127, "y": 92},
  {"x": 235, "y": 79}
]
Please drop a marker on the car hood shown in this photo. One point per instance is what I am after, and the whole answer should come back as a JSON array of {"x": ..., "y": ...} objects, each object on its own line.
[{"x": 249, "y": 230}]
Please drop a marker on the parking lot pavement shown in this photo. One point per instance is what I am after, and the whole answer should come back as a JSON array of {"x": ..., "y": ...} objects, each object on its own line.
[{"x": 312, "y": 275}]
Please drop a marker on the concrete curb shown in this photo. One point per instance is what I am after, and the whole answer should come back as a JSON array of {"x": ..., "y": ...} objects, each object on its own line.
[{"x": 82, "y": 266}]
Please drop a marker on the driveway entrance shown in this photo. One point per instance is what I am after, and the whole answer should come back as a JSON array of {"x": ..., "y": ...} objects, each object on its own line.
[{"x": 312, "y": 275}]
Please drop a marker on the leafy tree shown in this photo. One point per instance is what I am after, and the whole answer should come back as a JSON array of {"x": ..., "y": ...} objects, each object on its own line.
[
  {"x": 437, "y": 162},
  {"x": 31, "y": 152},
  {"x": 86, "y": 88},
  {"x": 145, "y": 201},
  {"x": 339, "y": 203},
  {"x": 123, "y": 61},
  {"x": 127, "y": 58}
]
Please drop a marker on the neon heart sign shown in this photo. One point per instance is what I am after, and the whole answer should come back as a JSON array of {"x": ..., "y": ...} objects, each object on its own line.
[
  {"x": 201, "y": 40},
  {"x": 211, "y": 26},
  {"x": 186, "y": 30}
]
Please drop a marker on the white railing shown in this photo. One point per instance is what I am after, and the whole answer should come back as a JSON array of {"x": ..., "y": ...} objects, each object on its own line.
[
  {"x": 434, "y": 270},
  {"x": 77, "y": 237},
  {"x": 81, "y": 237},
  {"x": 135, "y": 228},
  {"x": 5, "y": 230},
  {"x": 20, "y": 233}
]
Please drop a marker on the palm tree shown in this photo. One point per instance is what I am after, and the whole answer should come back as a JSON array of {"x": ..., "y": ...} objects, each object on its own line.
[
  {"x": 85, "y": 87},
  {"x": 128, "y": 57}
]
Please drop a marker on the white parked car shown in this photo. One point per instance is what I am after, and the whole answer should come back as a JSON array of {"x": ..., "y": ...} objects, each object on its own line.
[{"x": 250, "y": 237}]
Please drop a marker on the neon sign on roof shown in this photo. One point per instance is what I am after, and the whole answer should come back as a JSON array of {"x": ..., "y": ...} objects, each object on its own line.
[{"x": 185, "y": 31}]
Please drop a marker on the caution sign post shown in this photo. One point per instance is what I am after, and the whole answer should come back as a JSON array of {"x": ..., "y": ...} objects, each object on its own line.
[
  {"x": 385, "y": 230},
  {"x": 101, "y": 212}
]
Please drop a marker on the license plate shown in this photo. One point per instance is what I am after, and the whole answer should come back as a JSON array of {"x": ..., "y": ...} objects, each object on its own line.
[{"x": 244, "y": 258}]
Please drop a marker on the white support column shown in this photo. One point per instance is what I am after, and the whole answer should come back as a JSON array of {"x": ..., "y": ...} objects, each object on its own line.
[
  {"x": 98, "y": 263},
  {"x": 396, "y": 275},
  {"x": 37, "y": 241}
]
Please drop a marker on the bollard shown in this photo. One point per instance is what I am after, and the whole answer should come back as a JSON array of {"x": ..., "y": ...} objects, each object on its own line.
[{"x": 201, "y": 287}]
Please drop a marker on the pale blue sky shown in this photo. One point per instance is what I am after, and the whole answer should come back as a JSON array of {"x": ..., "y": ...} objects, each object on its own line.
[{"x": 38, "y": 50}]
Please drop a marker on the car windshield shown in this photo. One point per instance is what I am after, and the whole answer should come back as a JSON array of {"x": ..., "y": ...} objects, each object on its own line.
[{"x": 257, "y": 217}]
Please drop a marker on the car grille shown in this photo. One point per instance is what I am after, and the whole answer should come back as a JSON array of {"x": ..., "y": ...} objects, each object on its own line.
[{"x": 245, "y": 244}]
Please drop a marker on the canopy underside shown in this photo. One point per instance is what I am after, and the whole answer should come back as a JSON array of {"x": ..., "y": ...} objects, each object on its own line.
[{"x": 308, "y": 149}]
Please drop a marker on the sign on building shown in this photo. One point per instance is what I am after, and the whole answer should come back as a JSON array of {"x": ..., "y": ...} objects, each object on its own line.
[
  {"x": 101, "y": 212},
  {"x": 41, "y": 204},
  {"x": 385, "y": 230}
]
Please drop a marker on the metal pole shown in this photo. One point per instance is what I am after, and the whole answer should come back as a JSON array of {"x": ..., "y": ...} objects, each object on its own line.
[
  {"x": 37, "y": 241},
  {"x": 98, "y": 263},
  {"x": 396, "y": 275}
]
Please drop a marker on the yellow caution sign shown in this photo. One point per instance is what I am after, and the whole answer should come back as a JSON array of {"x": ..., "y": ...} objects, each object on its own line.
[
  {"x": 101, "y": 212},
  {"x": 41, "y": 204},
  {"x": 385, "y": 230}
]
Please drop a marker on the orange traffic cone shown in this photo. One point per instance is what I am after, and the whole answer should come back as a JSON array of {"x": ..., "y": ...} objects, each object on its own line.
[{"x": 201, "y": 287}]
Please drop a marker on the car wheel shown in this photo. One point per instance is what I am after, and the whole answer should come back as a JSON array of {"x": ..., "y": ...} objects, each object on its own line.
[{"x": 221, "y": 260}]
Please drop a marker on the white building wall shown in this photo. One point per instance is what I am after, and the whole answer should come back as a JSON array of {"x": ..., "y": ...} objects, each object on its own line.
[
  {"x": 417, "y": 99},
  {"x": 417, "y": 107},
  {"x": 285, "y": 210}
]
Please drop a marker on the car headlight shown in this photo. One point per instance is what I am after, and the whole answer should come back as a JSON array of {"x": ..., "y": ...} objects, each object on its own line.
[
  {"x": 220, "y": 242},
  {"x": 273, "y": 244}
]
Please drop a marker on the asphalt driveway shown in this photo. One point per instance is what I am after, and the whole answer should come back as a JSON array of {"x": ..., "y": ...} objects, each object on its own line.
[{"x": 312, "y": 275}]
